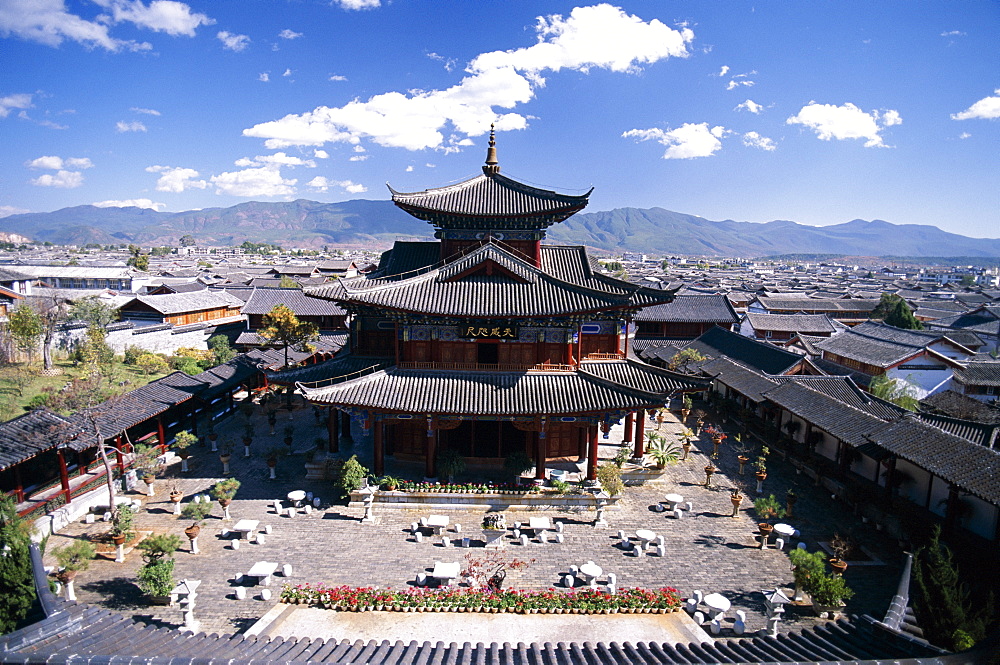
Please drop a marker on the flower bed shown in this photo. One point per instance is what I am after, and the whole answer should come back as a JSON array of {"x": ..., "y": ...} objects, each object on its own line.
[{"x": 454, "y": 599}]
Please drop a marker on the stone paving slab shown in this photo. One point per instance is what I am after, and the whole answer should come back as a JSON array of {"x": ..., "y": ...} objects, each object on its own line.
[{"x": 706, "y": 550}]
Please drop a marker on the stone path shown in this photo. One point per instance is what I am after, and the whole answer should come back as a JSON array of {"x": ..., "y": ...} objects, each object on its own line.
[{"x": 706, "y": 550}]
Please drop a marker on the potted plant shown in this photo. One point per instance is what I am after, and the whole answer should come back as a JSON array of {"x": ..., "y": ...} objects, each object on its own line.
[
  {"x": 828, "y": 593},
  {"x": 517, "y": 463},
  {"x": 717, "y": 438},
  {"x": 805, "y": 566},
  {"x": 72, "y": 559},
  {"x": 767, "y": 507},
  {"x": 272, "y": 456},
  {"x": 389, "y": 483},
  {"x": 736, "y": 497},
  {"x": 197, "y": 512},
  {"x": 494, "y": 527},
  {"x": 686, "y": 403},
  {"x": 840, "y": 547},
  {"x": 660, "y": 415},
  {"x": 122, "y": 524},
  {"x": 790, "y": 498},
  {"x": 289, "y": 431},
  {"x": 272, "y": 420},
  {"x": 212, "y": 436},
  {"x": 182, "y": 442},
  {"x": 147, "y": 463},
  {"x": 156, "y": 576},
  {"x": 709, "y": 470},
  {"x": 224, "y": 492},
  {"x": 661, "y": 453},
  {"x": 175, "y": 494},
  {"x": 248, "y": 432},
  {"x": 623, "y": 455},
  {"x": 225, "y": 454},
  {"x": 686, "y": 436},
  {"x": 610, "y": 478},
  {"x": 699, "y": 421},
  {"x": 761, "y": 466},
  {"x": 450, "y": 463}
]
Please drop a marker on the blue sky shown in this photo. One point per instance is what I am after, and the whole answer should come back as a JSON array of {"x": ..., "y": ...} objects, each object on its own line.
[{"x": 817, "y": 112}]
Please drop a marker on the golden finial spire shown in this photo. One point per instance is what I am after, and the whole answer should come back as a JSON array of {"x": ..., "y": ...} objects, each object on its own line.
[{"x": 492, "y": 165}]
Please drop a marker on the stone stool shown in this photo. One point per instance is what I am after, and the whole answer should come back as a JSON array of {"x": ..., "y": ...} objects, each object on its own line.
[
  {"x": 241, "y": 593},
  {"x": 559, "y": 538},
  {"x": 524, "y": 539},
  {"x": 261, "y": 539},
  {"x": 568, "y": 581},
  {"x": 235, "y": 544},
  {"x": 419, "y": 537},
  {"x": 421, "y": 579},
  {"x": 267, "y": 529},
  {"x": 265, "y": 594},
  {"x": 286, "y": 570},
  {"x": 445, "y": 541}
]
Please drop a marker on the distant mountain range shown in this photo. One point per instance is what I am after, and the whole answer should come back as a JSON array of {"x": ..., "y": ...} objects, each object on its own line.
[{"x": 374, "y": 224}]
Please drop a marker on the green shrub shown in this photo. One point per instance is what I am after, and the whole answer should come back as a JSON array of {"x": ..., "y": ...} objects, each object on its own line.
[
  {"x": 196, "y": 511},
  {"x": 610, "y": 477},
  {"x": 186, "y": 364},
  {"x": 450, "y": 463},
  {"x": 767, "y": 507},
  {"x": 132, "y": 354},
  {"x": 349, "y": 476},
  {"x": 517, "y": 463},
  {"x": 75, "y": 556},
  {"x": 157, "y": 577},
  {"x": 159, "y": 546}
]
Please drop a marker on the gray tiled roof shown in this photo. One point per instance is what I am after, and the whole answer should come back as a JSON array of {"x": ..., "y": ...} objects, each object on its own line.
[
  {"x": 482, "y": 393},
  {"x": 833, "y": 305},
  {"x": 767, "y": 358},
  {"x": 810, "y": 324},
  {"x": 28, "y": 435},
  {"x": 707, "y": 309},
  {"x": 176, "y": 303},
  {"x": 489, "y": 196},
  {"x": 328, "y": 372},
  {"x": 877, "y": 352},
  {"x": 979, "y": 373},
  {"x": 483, "y": 296},
  {"x": 263, "y": 300},
  {"x": 971, "y": 467},
  {"x": 639, "y": 375},
  {"x": 831, "y": 415}
]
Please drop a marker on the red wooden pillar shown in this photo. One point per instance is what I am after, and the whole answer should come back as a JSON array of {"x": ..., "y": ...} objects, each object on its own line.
[
  {"x": 540, "y": 453},
  {"x": 627, "y": 438},
  {"x": 118, "y": 454},
  {"x": 20, "y": 484},
  {"x": 161, "y": 433},
  {"x": 581, "y": 442},
  {"x": 63, "y": 475},
  {"x": 640, "y": 425},
  {"x": 331, "y": 429},
  {"x": 595, "y": 434},
  {"x": 430, "y": 450},
  {"x": 379, "y": 449}
]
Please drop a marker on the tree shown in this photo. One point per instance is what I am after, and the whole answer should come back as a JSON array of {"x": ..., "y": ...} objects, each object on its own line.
[
  {"x": 150, "y": 363},
  {"x": 892, "y": 390},
  {"x": 25, "y": 326},
  {"x": 219, "y": 345},
  {"x": 681, "y": 359},
  {"x": 287, "y": 282},
  {"x": 282, "y": 327},
  {"x": 138, "y": 260},
  {"x": 187, "y": 241},
  {"x": 894, "y": 311},
  {"x": 942, "y": 603},
  {"x": 15, "y": 567},
  {"x": 93, "y": 311},
  {"x": 52, "y": 311}
]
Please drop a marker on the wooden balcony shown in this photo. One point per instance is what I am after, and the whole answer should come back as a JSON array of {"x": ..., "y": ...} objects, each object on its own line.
[{"x": 487, "y": 367}]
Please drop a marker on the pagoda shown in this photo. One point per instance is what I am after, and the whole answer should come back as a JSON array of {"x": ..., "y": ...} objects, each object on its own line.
[{"x": 488, "y": 342}]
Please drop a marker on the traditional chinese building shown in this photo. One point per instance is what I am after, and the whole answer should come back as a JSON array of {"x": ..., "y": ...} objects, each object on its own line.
[{"x": 488, "y": 342}]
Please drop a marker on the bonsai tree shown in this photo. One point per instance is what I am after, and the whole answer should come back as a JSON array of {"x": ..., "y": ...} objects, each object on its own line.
[
  {"x": 349, "y": 476},
  {"x": 196, "y": 512},
  {"x": 517, "y": 463},
  {"x": 182, "y": 442},
  {"x": 767, "y": 507},
  {"x": 122, "y": 524},
  {"x": 224, "y": 492},
  {"x": 623, "y": 455},
  {"x": 828, "y": 590},
  {"x": 805, "y": 567},
  {"x": 156, "y": 576},
  {"x": 610, "y": 477},
  {"x": 450, "y": 463},
  {"x": 72, "y": 559}
]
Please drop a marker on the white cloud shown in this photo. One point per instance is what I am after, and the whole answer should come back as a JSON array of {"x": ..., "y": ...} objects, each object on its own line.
[
  {"x": 134, "y": 126},
  {"x": 6, "y": 211},
  {"x": 953, "y": 33},
  {"x": 259, "y": 181},
  {"x": 965, "y": 135},
  {"x": 755, "y": 140},
  {"x": 723, "y": 71},
  {"x": 288, "y": 72},
  {"x": 136, "y": 109},
  {"x": 358, "y": 158},
  {"x": 600, "y": 36},
  {"x": 289, "y": 34},
  {"x": 409, "y": 169},
  {"x": 54, "y": 163},
  {"x": 48, "y": 22},
  {"x": 173, "y": 18},
  {"x": 278, "y": 158},
  {"x": 987, "y": 108},
  {"x": 750, "y": 105},
  {"x": 176, "y": 179},
  {"x": 359, "y": 4},
  {"x": 322, "y": 184},
  {"x": 337, "y": 77},
  {"x": 232, "y": 41},
  {"x": 845, "y": 122},
  {"x": 11, "y": 102},
  {"x": 449, "y": 63},
  {"x": 321, "y": 154},
  {"x": 130, "y": 203},
  {"x": 686, "y": 142},
  {"x": 61, "y": 179},
  {"x": 264, "y": 76}
]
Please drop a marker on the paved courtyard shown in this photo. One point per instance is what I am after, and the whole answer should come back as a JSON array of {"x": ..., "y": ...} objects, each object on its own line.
[{"x": 706, "y": 550}]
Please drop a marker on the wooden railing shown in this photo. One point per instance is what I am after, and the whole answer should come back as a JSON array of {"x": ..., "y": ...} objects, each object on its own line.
[
  {"x": 487, "y": 367},
  {"x": 605, "y": 356}
]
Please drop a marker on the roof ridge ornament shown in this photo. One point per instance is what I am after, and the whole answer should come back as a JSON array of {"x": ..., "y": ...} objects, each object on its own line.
[{"x": 492, "y": 166}]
